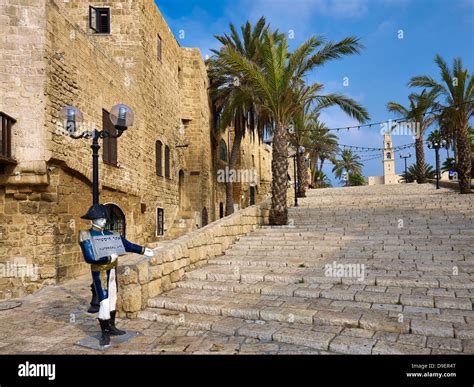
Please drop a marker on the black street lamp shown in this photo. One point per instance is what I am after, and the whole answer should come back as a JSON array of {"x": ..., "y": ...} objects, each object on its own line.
[
  {"x": 121, "y": 117},
  {"x": 436, "y": 145},
  {"x": 300, "y": 152},
  {"x": 402, "y": 156}
]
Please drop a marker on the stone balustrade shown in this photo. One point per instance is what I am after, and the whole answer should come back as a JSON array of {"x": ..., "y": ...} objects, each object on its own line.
[{"x": 141, "y": 278}]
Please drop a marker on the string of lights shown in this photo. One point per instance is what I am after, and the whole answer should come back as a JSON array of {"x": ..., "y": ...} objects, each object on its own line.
[
  {"x": 395, "y": 151},
  {"x": 396, "y": 120},
  {"x": 367, "y": 149}
]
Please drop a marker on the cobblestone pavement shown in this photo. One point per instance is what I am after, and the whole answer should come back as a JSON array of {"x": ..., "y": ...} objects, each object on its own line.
[
  {"x": 270, "y": 292},
  {"x": 53, "y": 320}
]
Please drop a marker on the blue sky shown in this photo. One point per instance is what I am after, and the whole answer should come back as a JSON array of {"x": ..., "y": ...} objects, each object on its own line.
[{"x": 377, "y": 76}]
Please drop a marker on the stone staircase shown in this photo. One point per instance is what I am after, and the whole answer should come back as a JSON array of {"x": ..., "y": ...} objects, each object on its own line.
[{"x": 415, "y": 295}]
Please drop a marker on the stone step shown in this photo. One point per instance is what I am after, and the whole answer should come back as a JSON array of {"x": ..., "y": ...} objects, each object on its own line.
[
  {"x": 430, "y": 303},
  {"x": 325, "y": 338},
  {"x": 269, "y": 308},
  {"x": 428, "y": 265},
  {"x": 373, "y": 298},
  {"x": 294, "y": 275}
]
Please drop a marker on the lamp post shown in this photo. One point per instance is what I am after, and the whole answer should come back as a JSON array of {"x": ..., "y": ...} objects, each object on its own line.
[
  {"x": 436, "y": 145},
  {"x": 121, "y": 117},
  {"x": 299, "y": 152},
  {"x": 405, "y": 157}
]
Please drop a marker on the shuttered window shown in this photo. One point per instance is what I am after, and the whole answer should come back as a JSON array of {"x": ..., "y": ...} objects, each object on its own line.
[
  {"x": 99, "y": 20},
  {"x": 6, "y": 124},
  {"x": 160, "y": 221},
  {"x": 159, "y": 158},
  {"x": 109, "y": 152},
  {"x": 159, "y": 48}
]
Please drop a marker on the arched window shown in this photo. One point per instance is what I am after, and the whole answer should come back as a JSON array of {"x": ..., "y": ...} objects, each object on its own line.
[
  {"x": 159, "y": 158},
  {"x": 167, "y": 161},
  {"x": 117, "y": 219},
  {"x": 222, "y": 150},
  {"x": 389, "y": 155}
]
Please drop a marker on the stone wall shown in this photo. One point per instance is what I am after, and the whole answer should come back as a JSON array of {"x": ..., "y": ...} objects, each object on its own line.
[
  {"x": 50, "y": 58},
  {"x": 141, "y": 278}
]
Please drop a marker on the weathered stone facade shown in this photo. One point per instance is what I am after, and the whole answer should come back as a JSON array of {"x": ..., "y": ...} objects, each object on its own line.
[{"x": 50, "y": 58}]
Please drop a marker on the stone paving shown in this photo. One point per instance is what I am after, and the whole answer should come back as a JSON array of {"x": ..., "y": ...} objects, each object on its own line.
[{"x": 272, "y": 293}]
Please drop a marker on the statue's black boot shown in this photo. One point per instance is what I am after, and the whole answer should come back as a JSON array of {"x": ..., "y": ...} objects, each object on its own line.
[
  {"x": 95, "y": 304},
  {"x": 114, "y": 331},
  {"x": 105, "y": 337}
]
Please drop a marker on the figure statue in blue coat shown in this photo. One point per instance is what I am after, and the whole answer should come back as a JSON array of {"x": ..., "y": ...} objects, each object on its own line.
[{"x": 104, "y": 266}]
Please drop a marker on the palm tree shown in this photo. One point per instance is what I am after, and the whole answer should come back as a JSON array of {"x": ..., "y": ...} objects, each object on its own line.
[
  {"x": 277, "y": 86},
  {"x": 420, "y": 104},
  {"x": 298, "y": 137},
  {"x": 349, "y": 163},
  {"x": 323, "y": 146},
  {"x": 356, "y": 179},
  {"x": 232, "y": 104},
  {"x": 323, "y": 180},
  {"x": 412, "y": 172},
  {"x": 457, "y": 88}
]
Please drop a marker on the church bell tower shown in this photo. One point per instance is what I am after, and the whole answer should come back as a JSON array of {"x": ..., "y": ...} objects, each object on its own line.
[{"x": 389, "y": 176}]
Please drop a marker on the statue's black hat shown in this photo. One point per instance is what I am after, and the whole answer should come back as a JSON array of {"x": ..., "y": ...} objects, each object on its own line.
[{"x": 97, "y": 211}]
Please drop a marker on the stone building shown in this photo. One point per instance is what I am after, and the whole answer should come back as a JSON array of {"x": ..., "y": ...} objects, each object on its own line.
[{"x": 158, "y": 178}]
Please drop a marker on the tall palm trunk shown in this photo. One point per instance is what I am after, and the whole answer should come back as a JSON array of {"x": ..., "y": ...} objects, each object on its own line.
[
  {"x": 420, "y": 160},
  {"x": 234, "y": 156},
  {"x": 279, "y": 212},
  {"x": 464, "y": 155},
  {"x": 302, "y": 173},
  {"x": 314, "y": 170}
]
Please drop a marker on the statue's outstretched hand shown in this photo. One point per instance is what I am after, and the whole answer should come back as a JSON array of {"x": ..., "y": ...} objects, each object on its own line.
[
  {"x": 113, "y": 257},
  {"x": 148, "y": 252}
]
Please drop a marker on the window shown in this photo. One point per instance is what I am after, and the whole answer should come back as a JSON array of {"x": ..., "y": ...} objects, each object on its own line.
[
  {"x": 109, "y": 153},
  {"x": 221, "y": 210},
  {"x": 204, "y": 217},
  {"x": 389, "y": 155},
  {"x": 160, "y": 221},
  {"x": 159, "y": 52},
  {"x": 159, "y": 158},
  {"x": 252, "y": 195},
  {"x": 388, "y": 145},
  {"x": 117, "y": 219},
  {"x": 6, "y": 123},
  {"x": 222, "y": 150},
  {"x": 99, "y": 20},
  {"x": 167, "y": 161}
]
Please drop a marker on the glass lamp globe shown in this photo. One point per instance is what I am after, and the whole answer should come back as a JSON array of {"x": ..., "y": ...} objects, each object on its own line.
[
  {"x": 121, "y": 116},
  {"x": 301, "y": 150},
  {"x": 71, "y": 118}
]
